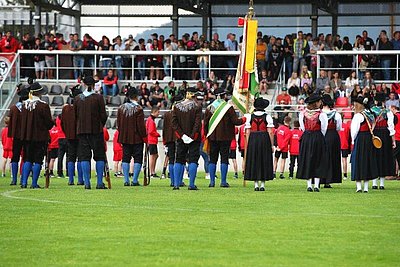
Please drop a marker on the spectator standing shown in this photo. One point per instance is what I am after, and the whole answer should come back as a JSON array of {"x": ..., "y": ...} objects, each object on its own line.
[
  {"x": 300, "y": 48},
  {"x": 27, "y": 43},
  {"x": 78, "y": 61},
  {"x": 50, "y": 59},
  {"x": 38, "y": 59},
  {"x": 119, "y": 46},
  {"x": 141, "y": 61},
  {"x": 385, "y": 45},
  {"x": 202, "y": 61},
  {"x": 275, "y": 62},
  {"x": 167, "y": 58},
  {"x": 288, "y": 54},
  {"x": 346, "y": 62},
  {"x": 230, "y": 46},
  {"x": 90, "y": 45},
  {"x": 8, "y": 44},
  {"x": 396, "y": 40},
  {"x": 105, "y": 60},
  {"x": 261, "y": 51}
]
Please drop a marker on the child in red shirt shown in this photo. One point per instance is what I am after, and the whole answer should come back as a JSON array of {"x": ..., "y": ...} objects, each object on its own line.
[
  {"x": 7, "y": 143},
  {"x": 241, "y": 143},
  {"x": 283, "y": 135},
  {"x": 53, "y": 148},
  {"x": 294, "y": 147},
  {"x": 153, "y": 136},
  {"x": 345, "y": 144},
  {"x": 117, "y": 158}
]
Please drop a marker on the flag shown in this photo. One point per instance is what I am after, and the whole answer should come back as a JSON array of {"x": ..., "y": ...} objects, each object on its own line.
[{"x": 246, "y": 80}]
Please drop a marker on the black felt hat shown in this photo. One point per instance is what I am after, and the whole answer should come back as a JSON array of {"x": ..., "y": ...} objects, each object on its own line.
[
  {"x": 89, "y": 80},
  {"x": 294, "y": 91},
  {"x": 23, "y": 91},
  {"x": 380, "y": 97},
  {"x": 261, "y": 103},
  {"x": 360, "y": 99},
  {"x": 38, "y": 89},
  {"x": 130, "y": 91},
  {"x": 219, "y": 92},
  {"x": 313, "y": 98},
  {"x": 327, "y": 100},
  {"x": 177, "y": 98}
]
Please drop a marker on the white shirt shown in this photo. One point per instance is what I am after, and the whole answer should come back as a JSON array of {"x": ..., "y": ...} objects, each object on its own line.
[
  {"x": 322, "y": 118},
  {"x": 293, "y": 82},
  {"x": 390, "y": 123},
  {"x": 355, "y": 126},
  {"x": 270, "y": 121}
]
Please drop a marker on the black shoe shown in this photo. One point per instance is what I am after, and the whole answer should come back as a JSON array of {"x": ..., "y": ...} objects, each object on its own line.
[
  {"x": 126, "y": 184},
  {"x": 131, "y": 175},
  {"x": 71, "y": 184},
  {"x": 102, "y": 186},
  {"x": 175, "y": 188},
  {"x": 88, "y": 187},
  {"x": 374, "y": 187},
  {"x": 193, "y": 188},
  {"x": 182, "y": 185},
  {"x": 309, "y": 189},
  {"x": 225, "y": 185},
  {"x": 211, "y": 185},
  {"x": 327, "y": 186},
  {"x": 23, "y": 186},
  {"x": 256, "y": 189},
  {"x": 80, "y": 184},
  {"x": 365, "y": 191},
  {"x": 135, "y": 184},
  {"x": 236, "y": 176},
  {"x": 262, "y": 189},
  {"x": 281, "y": 176},
  {"x": 171, "y": 185},
  {"x": 274, "y": 176},
  {"x": 382, "y": 187},
  {"x": 316, "y": 189},
  {"x": 155, "y": 176},
  {"x": 359, "y": 191},
  {"x": 13, "y": 183},
  {"x": 35, "y": 187}
]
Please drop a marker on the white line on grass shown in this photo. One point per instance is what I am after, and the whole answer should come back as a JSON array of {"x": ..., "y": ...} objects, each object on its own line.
[{"x": 10, "y": 194}]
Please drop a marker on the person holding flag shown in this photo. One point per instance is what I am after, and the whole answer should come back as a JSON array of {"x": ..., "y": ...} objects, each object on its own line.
[{"x": 219, "y": 127}]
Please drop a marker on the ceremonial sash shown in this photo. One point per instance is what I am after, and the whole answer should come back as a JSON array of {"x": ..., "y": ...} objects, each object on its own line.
[{"x": 221, "y": 107}]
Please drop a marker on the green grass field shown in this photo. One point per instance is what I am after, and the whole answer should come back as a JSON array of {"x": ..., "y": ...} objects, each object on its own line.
[{"x": 155, "y": 226}]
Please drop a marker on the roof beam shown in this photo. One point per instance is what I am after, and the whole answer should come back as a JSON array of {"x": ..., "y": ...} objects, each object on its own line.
[{"x": 63, "y": 10}]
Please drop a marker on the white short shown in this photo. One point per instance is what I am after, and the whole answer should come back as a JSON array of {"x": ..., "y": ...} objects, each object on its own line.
[{"x": 39, "y": 66}]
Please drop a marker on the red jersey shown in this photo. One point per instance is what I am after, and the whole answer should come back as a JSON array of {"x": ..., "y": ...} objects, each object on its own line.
[
  {"x": 61, "y": 134},
  {"x": 152, "y": 131},
  {"x": 345, "y": 138},
  {"x": 54, "y": 136},
  {"x": 233, "y": 142},
  {"x": 295, "y": 141},
  {"x": 242, "y": 137},
  {"x": 397, "y": 126},
  {"x": 6, "y": 141},
  {"x": 106, "y": 137},
  {"x": 283, "y": 135},
  {"x": 9, "y": 45},
  {"x": 116, "y": 146}
]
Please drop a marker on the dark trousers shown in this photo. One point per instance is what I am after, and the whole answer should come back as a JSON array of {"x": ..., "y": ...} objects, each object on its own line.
[
  {"x": 171, "y": 152},
  {"x": 134, "y": 151},
  {"x": 72, "y": 150},
  {"x": 34, "y": 151},
  {"x": 89, "y": 143},
  {"x": 293, "y": 159},
  {"x": 396, "y": 152},
  {"x": 190, "y": 151},
  {"x": 62, "y": 150},
  {"x": 16, "y": 149},
  {"x": 219, "y": 148}
]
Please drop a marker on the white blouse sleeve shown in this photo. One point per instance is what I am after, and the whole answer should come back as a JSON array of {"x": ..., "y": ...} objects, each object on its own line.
[
  {"x": 323, "y": 118},
  {"x": 298, "y": 82},
  {"x": 248, "y": 119},
  {"x": 338, "y": 119},
  {"x": 301, "y": 121},
  {"x": 355, "y": 126},
  {"x": 270, "y": 122},
  {"x": 391, "y": 123}
]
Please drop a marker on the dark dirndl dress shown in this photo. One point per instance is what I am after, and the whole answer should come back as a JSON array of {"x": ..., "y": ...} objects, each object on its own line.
[
  {"x": 334, "y": 166},
  {"x": 384, "y": 156},
  {"x": 259, "y": 162},
  {"x": 313, "y": 157},
  {"x": 363, "y": 157}
]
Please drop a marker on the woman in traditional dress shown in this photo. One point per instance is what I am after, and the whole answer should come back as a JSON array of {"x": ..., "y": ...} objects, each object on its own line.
[
  {"x": 313, "y": 156},
  {"x": 259, "y": 129},
  {"x": 364, "y": 165},
  {"x": 332, "y": 141},
  {"x": 384, "y": 129}
]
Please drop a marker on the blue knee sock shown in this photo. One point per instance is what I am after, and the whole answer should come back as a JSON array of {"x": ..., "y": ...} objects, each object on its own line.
[
  {"x": 26, "y": 170},
  {"x": 14, "y": 171},
  {"x": 212, "y": 168},
  {"x": 80, "y": 172},
  {"x": 36, "y": 172},
  {"x": 125, "y": 170},
  {"x": 178, "y": 168},
  {"x": 136, "y": 171},
  {"x": 86, "y": 172},
  {"x": 100, "y": 172},
  {"x": 192, "y": 174},
  {"x": 224, "y": 172},
  {"x": 171, "y": 173},
  {"x": 71, "y": 171}
]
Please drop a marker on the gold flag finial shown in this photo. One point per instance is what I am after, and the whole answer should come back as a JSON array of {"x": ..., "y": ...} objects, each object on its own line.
[{"x": 250, "y": 14}]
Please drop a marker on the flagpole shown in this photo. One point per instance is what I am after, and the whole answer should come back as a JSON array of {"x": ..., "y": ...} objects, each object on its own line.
[{"x": 250, "y": 15}]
